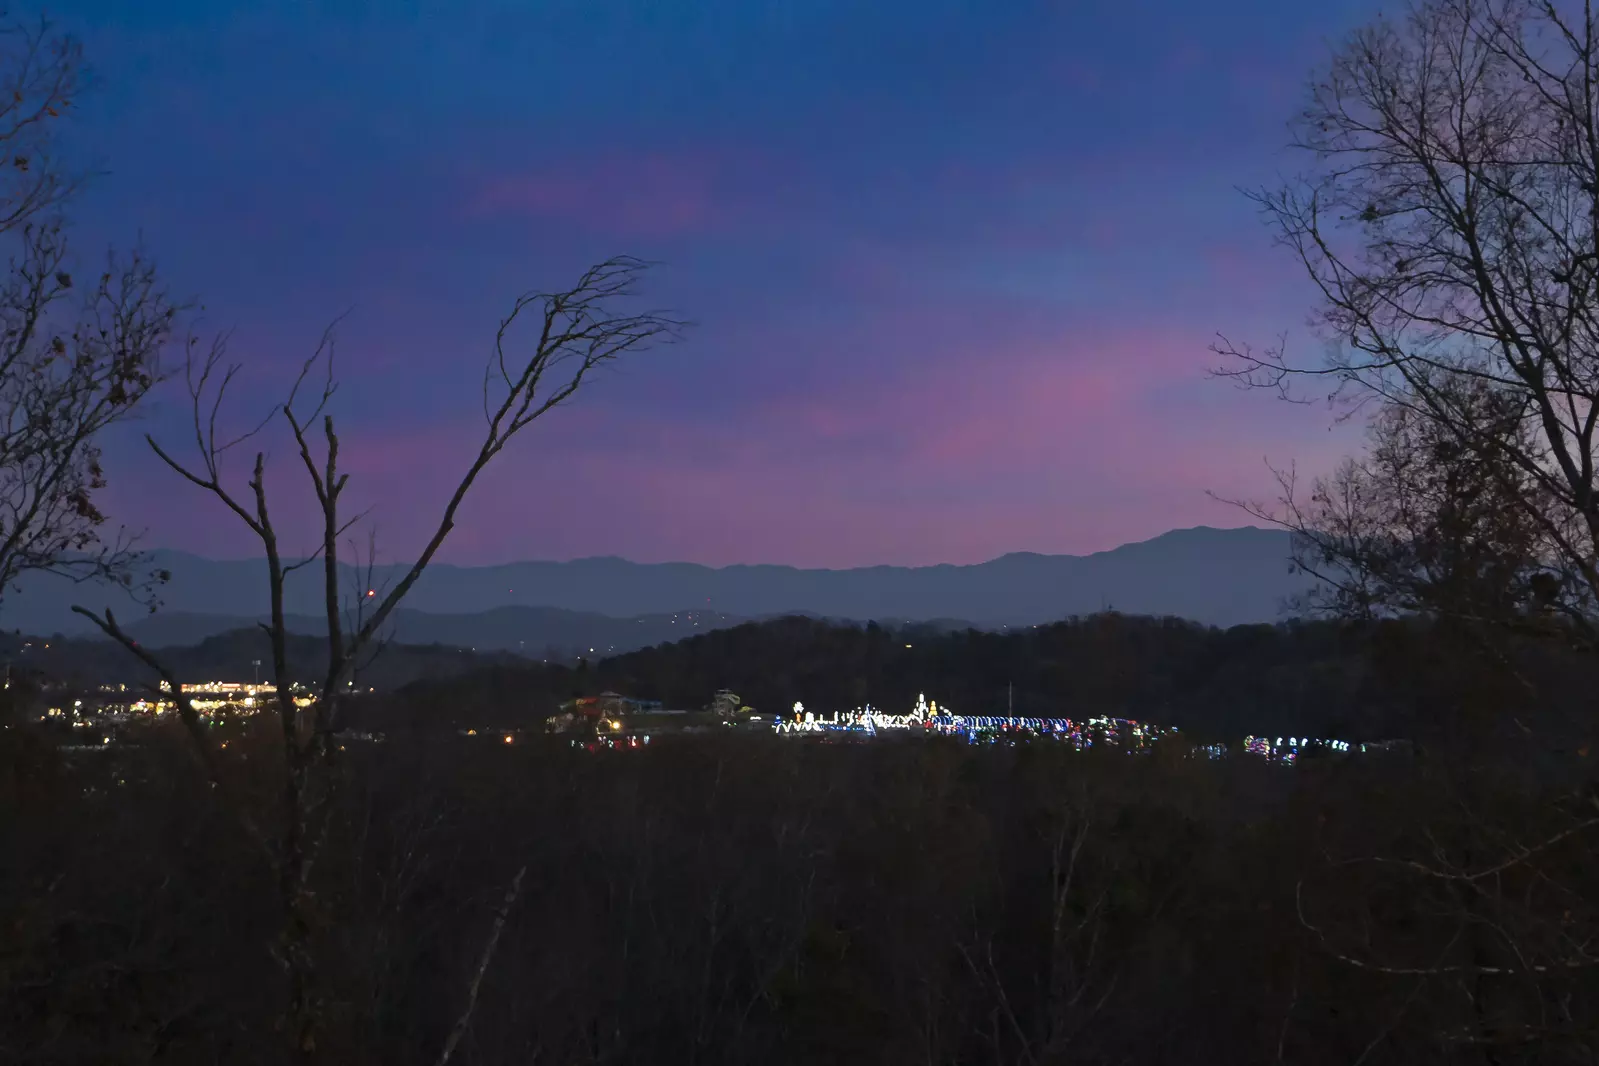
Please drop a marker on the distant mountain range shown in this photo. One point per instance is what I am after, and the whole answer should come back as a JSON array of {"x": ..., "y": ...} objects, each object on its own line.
[{"x": 1216, "y": 576}]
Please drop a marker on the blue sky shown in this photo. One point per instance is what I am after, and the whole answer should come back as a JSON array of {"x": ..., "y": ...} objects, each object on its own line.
[{"x": 954, "y": 265}]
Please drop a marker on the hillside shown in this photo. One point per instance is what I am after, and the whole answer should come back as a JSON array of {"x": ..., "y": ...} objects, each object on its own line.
[
  {"x": 1318, "y": 679},
  {"x": 231, "y": 657}
]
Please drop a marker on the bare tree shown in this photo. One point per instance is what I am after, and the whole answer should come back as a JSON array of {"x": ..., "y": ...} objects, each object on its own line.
[
  {"x": 1450, "y": 221},
  {"x": 1502, "y": 916},
  {"x": 1079, "y": 970},
  {"x": 74, "y": 359},
  {"x": 42, "y": 74},
  {"x": 70, "y": 368},
  {"x": 364, "y": 592},
  {"x": 1418, "y": 525},
  {"x": 577, "y": 331}
]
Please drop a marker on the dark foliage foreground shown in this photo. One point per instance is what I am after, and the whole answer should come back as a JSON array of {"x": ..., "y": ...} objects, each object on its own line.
[{"x": 742, "y": 900}]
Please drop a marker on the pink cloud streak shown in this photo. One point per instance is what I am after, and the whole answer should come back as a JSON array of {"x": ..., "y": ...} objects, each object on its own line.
[{"x": 1059, "y": 448}]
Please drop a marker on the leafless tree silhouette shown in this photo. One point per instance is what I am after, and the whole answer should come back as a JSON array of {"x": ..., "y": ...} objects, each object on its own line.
[
  {"x": 577, "y": 330},
  {"x": 1450, "y": 223},
  {"x": 74, "y": 358}
]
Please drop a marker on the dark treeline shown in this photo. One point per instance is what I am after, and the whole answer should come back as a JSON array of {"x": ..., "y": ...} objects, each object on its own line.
[
  {"x": 1326, "y": 679},
  {"x": 230, "y": 656},
  {"x": 742, "y": 900}
]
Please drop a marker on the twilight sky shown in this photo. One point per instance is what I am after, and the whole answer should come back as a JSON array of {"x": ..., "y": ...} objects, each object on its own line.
[{"x": 955, "y": 264}]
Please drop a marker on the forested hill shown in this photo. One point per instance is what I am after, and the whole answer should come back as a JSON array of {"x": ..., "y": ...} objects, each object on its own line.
[
  {"x": 233, "y": 656},
  {"x": 1304, "y": 678}
]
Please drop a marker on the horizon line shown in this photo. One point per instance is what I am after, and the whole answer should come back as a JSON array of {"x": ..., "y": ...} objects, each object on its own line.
[{"x": 750, "y": 566}]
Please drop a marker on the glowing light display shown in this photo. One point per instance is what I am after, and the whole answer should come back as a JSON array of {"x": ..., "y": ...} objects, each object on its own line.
[{"x": 928, "y": 717}]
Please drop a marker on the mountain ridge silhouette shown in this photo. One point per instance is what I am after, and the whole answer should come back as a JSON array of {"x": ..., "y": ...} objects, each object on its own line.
[{"x": 1215, "y": 576}]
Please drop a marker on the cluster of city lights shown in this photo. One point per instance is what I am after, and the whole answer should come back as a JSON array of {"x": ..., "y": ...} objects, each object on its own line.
[
  {"x": 1287, "y": 750},
  {"x": 213, "y": 700},
  {"x": 929, "y": 717},
  {"x": 1124, "y": 733}
]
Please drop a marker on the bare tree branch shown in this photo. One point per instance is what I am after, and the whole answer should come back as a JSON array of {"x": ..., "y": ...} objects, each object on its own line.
[
  {"x": 204, "y": 750},
  {"x": 1450, "y": 222},
  {"x": 580, "y": 330},
  {"x": 464, "y": 1022},
  {"x": 74, "y": 358}
]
